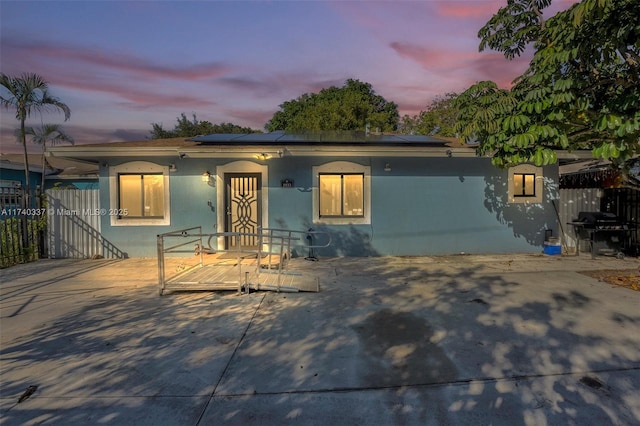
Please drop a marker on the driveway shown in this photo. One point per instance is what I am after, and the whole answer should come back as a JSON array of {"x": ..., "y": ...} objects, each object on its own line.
[{"x": 512, "y": 339}]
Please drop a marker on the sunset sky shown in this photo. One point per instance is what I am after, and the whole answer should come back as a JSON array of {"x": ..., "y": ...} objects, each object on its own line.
[{"x": 122, "y": 65}]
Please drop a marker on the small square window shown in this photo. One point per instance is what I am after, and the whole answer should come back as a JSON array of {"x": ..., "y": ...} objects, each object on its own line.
[{"x": 524, "y": 185}]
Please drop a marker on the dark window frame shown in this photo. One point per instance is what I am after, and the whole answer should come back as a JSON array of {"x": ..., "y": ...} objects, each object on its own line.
[
  {"x": 522, "y": 177},
  {"x": 342, "y": 215},
  {"x": 142, "y": 199}
]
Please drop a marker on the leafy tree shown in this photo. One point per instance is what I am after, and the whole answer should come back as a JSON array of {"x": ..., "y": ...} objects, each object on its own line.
[
  {"x": 514, "y": 27},
  {"x": 581, "y": 90},
  {"x": 185, "y": 128},
  {"x": 28, "y": 93},
  {"x": 438, "y": 118},
  {"x": 353, "y": 106},
  {"x": 51, "y": 133}
]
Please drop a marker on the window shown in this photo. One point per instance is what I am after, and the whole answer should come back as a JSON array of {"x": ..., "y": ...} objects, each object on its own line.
[
  {"x": 341, "y": 193},
  {"x": 525, "y": 184},
  {"x": 139, "y": 194}
]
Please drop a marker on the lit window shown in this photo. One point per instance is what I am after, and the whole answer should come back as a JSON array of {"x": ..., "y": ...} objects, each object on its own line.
[
  {"x": 341, "y": 195},
  {"x": 141, "y": 196},
  {"x": 524, "y": 185}
]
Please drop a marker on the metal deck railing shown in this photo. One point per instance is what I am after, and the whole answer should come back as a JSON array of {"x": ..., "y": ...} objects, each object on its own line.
[{"x": 261, "y": 267}]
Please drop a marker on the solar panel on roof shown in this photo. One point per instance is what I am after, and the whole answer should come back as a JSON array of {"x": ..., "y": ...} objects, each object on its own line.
[{"x": 322, "y": 137}]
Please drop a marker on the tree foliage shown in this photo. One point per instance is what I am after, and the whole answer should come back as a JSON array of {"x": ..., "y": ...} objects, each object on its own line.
[
  {"x": 51, "y": 133},
  {"x": 26, "y": 94},
  {"x": 353, "y": 106},
  {"x": 189, "y": 128},
  {"x": 438, "y": 118},
  {"x": 581, "y": 90},
  {"x": 514, "y": 27}
]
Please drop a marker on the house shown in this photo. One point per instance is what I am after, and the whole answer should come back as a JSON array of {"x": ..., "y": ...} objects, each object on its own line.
[{"x": 376, "y": 194}]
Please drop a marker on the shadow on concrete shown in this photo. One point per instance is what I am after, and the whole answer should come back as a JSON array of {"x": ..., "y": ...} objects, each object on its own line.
[
  {"x": 44, "y": 273},
  {"x": 428, "y": 345},
  {"x": 386, "y": 341},
  {"x": 122, "y": 354}
]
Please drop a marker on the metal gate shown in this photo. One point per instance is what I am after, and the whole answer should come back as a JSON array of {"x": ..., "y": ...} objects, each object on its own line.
[
  {"x": 243, "y": 204},
  {"x": 625, "y": 203},
  {"x": 573, "y": 201}
]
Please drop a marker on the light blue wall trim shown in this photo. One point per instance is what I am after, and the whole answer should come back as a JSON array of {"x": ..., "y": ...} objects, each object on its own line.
[{"x": 422, "y": 206}]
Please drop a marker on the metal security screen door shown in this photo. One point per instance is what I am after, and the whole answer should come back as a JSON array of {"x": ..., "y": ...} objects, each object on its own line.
[{"x": 243, "y": 203}]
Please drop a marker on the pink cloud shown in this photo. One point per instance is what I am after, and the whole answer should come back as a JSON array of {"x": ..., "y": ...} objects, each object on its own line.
[
  {"x": 138, "y": 95},
  {"x": 485, "y": 9},
  {"x": 474, "y": 66},
  {"x": 121, "y": 76},
  {"x": 118, "y": 62},
  {"x": 495, "y": 67},
  {"x": 406, "y": 108},
  {"x": 248, "y": 118},
  {"x": 428, "y": 57},
  {"x": 482, "y": 9}
]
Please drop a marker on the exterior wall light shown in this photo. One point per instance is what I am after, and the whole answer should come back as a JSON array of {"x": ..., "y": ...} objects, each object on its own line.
[
  {"x": 387, "y": 167},
  {"x": 206, "y": 177},
  {"x": 262, "y": 156}
]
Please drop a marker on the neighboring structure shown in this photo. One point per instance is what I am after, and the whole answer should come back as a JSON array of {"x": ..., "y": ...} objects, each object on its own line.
[
  {"x": 596, "y": 186},
  {"x": 376, "y": 194},
  {"x": 12, "y": 174},
  {"x": 58, "y": 172},
  {"x": 23, "y": 233}
]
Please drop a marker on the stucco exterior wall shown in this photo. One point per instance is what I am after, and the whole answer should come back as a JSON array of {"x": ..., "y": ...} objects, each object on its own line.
[
  {"x": 422, "y": 206},
  {"x": 425, "y": 206}
]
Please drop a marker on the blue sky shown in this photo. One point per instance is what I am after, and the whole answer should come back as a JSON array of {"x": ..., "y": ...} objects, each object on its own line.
[{"x": 122, "y": 65}]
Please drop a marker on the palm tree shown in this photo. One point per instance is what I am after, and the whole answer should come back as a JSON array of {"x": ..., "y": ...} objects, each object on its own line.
[
  {"x": 52, "y": 133},
  {"x": 28, "y": 93}
]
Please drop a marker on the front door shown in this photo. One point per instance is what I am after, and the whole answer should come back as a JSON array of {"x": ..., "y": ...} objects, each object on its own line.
[{"x": 243, "y": 202}]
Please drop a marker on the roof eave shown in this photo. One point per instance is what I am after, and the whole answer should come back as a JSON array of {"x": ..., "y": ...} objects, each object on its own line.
[
  {"x": 574, "y": 155},
  {"x": 98, "y": 152},
  {"x": 272, "y": 150},
  {"x": 72, "y": 177}
]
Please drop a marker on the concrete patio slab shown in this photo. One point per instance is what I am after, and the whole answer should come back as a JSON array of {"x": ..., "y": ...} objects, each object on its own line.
[{"x": 511, "y": 339}]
